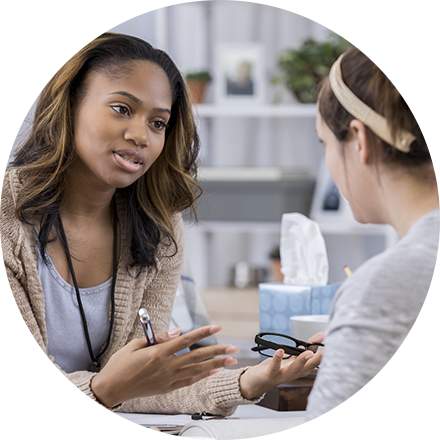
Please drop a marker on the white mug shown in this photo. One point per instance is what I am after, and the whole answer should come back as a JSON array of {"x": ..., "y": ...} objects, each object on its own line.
[{"x": 304, "y": 326}]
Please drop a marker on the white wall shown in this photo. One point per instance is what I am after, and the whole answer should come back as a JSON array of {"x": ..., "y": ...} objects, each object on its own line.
[{"x": 33, "y": 33}]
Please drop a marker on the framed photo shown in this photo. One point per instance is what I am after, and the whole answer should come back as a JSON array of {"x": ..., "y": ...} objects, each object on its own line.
[
  {"x": 328, "y": 204},
  {"x": 239, "y": 74}
]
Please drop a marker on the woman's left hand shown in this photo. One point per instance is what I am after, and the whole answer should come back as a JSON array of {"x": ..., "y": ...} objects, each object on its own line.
[{"x": 270, "y": 373}]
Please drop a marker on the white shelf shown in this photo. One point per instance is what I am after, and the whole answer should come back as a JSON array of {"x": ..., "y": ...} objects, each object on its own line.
[
  {"x": 250, "y": 174},
  {"x": 344, "y": 227},
  {"x": 255, "y": 111},
  {"x": 211, "y": 226},
  {"x": 347, "y": 227}
]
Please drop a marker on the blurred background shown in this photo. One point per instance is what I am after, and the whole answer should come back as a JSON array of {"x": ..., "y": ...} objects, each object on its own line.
[{"x": 260, "y": 154}]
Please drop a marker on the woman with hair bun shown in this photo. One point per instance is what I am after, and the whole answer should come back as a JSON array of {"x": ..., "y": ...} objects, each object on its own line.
[
  {"x": 379, "y": 160},
  {"x": 92, "y": 232}
]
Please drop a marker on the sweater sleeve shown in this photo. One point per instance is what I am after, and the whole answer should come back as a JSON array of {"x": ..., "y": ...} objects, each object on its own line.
[
  {"x": 159, "y": 296},
  {"x": 31, "y": 384},
  {"x": 372, "y": 313},
  {"x": 218, "y": 394}
]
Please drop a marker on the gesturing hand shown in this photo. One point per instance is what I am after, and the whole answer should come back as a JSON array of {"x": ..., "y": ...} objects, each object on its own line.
[
  {"x": 140, "y": 371},
  {"x": 272, "y": 372}
]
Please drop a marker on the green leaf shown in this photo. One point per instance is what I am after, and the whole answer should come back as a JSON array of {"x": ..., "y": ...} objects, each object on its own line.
[
  {"x": 303, "y": 68},
  {"x": 198, "y": 76}
]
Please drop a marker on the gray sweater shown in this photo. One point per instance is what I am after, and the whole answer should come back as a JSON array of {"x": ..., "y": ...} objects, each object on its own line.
[{"x": 372, "y": 313}]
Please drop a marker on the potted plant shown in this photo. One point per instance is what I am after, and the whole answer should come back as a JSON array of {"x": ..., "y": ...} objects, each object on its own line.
[
  {"x": 197, "y": 82},
  {"x": 302, "y": 69}
]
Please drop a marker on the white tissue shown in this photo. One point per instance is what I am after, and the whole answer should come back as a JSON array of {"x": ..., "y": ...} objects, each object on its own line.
[{"x": 303, "y": 253}]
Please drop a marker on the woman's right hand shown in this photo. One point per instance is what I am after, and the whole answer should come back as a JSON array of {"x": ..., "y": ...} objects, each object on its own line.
[
  {"x": 270, "y": 373},
  {"x": 140, "y": 371}
]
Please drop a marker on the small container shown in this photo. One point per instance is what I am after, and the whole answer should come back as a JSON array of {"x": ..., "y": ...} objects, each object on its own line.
[
  {"x": 304, "y": 326},
  {"x": 243, "y": 275}
]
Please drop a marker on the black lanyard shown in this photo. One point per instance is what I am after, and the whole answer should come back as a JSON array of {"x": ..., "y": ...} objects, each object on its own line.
[{"x": 78, "y": 296}]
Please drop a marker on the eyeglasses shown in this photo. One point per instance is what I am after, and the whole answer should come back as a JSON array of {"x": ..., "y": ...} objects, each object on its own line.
[{"x": 268, "y": 343}]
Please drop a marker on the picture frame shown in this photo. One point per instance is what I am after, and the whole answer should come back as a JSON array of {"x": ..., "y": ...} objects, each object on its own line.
[
  {"x": 239, "y": 74},
  {"x": 328, "y": 204}
]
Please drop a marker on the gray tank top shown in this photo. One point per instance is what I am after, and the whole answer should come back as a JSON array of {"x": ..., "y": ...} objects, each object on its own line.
[{"x": 66, "y": 341}]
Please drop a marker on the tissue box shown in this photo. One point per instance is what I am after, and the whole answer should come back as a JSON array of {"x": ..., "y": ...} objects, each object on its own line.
[{"x": 279, "y": 301}]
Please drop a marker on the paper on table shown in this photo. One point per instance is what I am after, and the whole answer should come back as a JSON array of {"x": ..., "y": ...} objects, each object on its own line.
[
  {"x": 113, "y": 422},
  {"x": 242, "y": 412}
]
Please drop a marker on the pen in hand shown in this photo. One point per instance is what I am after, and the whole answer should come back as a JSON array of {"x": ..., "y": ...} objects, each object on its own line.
[{"x": 148, "y": 328}]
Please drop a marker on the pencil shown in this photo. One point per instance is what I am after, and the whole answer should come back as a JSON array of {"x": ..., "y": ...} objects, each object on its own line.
[{"x": 347, "y": 271}]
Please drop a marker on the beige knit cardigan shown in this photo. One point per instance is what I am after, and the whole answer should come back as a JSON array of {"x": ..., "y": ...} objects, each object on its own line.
[{"x": 153, "y": 289}]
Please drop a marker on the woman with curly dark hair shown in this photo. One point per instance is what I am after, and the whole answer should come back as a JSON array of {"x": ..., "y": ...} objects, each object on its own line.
[{"x": 92, "y": 232}]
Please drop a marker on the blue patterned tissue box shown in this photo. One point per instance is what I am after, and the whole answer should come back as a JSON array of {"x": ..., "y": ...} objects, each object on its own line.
[{"x": 279, "y": 301}]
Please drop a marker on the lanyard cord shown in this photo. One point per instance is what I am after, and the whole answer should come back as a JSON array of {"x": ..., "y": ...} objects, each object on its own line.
[{"x": 78, "y": 296}]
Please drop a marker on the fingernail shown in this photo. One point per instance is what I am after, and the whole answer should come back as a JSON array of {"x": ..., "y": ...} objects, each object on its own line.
[
  {"x": 309, "y": 356},
  {"x": 231, "y": 350},
  {"x": 216, "y": 370},
  {"x": 174, "y": 332},
  {"x": 280, "y": 353},
  {"x": 229, "y": 361},
  {"x": 215, "y": 329}
]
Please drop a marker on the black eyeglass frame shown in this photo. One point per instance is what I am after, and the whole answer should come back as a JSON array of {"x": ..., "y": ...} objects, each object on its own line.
[{"x": 264, "y": 344}]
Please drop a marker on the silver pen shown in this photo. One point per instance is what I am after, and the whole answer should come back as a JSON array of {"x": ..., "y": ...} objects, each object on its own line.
[{"x": 147, "y": 326}]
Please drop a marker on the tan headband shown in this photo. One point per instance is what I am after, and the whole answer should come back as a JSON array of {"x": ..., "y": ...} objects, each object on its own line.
[{"x": 376, "y": 122}]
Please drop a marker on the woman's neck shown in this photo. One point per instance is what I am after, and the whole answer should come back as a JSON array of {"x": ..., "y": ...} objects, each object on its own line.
[
  {"x": 84, "y": 202},
  {"x": 409, "y": 198},
  {"x": 80, "y": 207}
]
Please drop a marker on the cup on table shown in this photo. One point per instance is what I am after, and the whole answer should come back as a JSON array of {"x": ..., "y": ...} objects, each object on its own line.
[{"x": 304, "y": 326}]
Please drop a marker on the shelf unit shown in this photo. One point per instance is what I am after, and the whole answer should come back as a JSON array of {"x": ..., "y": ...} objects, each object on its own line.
[
  {"x": 256, "y": 111},
  {"x": 191, "y": 32},
  {"x": 205, "y": 242}
]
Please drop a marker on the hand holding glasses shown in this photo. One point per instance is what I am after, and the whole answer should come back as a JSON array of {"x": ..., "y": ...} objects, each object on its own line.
[{"x": 268, "y": 343}]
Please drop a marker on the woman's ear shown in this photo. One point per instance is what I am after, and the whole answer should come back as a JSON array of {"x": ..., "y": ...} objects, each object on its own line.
[{"x": 359, "y": 133}]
